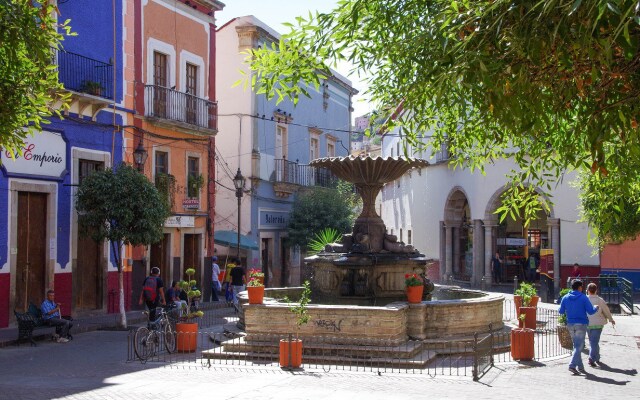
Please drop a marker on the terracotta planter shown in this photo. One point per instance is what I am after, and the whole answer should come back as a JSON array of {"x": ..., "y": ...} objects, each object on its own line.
[
  {"x": 256, "y": 294},
  {"x": 187, "y": 337},
  {"x": 414, "y": 294},
  {"x": 517, "y": 300},
  {"x": 534, "y": 301},
  {"x": 529, "y": 319},
  {"x": 522, "y": 344},
  {"x": 293, "y": 348}
]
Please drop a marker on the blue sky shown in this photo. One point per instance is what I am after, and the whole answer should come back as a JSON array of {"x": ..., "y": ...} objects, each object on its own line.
[{"x": 276, "y": 12}]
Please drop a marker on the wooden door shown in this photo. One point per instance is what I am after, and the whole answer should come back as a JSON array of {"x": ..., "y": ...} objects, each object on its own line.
[
  {"x": 192, "y": 93},
  {"x": 160, "y": 258},
  {"x": 161, "y": 83},
  {"x": 192, "y": 255},
  {"x": 32, "y": 246},
  {"x": 88, "y": 276}
]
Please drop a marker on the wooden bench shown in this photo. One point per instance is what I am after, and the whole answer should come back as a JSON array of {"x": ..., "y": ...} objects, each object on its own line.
[{"x": 30, "y": 321}]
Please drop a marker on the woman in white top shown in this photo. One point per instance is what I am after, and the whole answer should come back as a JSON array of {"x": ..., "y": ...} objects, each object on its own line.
[{"x": 597, "y": 321}]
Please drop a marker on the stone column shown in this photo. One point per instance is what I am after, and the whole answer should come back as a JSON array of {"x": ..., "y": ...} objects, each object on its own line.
[
  {"x": 554, "y": 224},
  {"x": 478, "y": 252},
  {"x": 449, "y": 252},
  {"x": 456, "y": 250},
  {"x": 443, "y": 251},
  {"x": 488, "y": 249}
]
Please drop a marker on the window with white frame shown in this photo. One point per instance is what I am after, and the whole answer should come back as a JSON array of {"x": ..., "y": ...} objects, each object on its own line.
[
  {"x": 281, "y": 142},
  {"x": 331, "y": 147},
  {"x": 194, "y": 179},
  {"x": 314, "y": 144}
]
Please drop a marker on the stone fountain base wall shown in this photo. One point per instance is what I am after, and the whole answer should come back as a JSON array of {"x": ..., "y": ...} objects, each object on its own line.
[
  {"x": 395, "y": 322},
  {"x": 354, "y": 324}
]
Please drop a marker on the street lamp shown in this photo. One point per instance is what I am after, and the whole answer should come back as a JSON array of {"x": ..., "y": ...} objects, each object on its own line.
[
  {"x": 238, "y": 182},
  {"x": 140, "y": 156}
]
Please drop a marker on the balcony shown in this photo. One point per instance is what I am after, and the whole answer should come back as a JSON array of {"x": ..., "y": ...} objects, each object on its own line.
[
  {"x": 289, "y": 175},
  {"x": 84, "y": 75},
  {"x": 89, "y": 81},
  {"x": 179, "y": 109}
]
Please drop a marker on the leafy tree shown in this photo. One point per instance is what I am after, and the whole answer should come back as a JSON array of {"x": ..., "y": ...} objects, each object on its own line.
[
  {"x": 122, "y": 206},
  {"x": 551, "y": 84},
  {"x": 315, "y": 210},
  {"x": 29, "y": 84}
]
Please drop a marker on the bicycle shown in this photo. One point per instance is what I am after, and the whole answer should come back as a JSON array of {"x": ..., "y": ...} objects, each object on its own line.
[{"x": 147, "y": 339}]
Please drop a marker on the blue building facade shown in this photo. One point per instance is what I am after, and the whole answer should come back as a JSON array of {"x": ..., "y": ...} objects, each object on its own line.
[
  {"x": 272, "y": 145},
  {"x": 40, "y": 246}
]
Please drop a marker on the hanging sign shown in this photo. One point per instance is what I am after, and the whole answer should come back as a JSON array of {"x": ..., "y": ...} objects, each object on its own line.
[{"x": 43, "y": 155}]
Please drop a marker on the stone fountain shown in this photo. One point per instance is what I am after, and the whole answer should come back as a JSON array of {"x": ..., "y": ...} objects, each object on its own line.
[{"x": 369, "y": 263}]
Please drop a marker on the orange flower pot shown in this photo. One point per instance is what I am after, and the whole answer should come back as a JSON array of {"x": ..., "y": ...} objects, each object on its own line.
[
  {"x": 256, "y": 294},
  {"x": 534, "y": 301},
  {"x": 517, "y": 301},
  {"x": 522, "y": 344},
  {"x": 529, "y": 319},
  {"x": 186, "y": 337},
  {"x": 293, "y": 348},
  {"x": 414, "y": 294}
]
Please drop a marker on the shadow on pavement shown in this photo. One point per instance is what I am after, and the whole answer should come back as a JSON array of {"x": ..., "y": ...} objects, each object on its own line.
[{"x": 607, "y": 368}]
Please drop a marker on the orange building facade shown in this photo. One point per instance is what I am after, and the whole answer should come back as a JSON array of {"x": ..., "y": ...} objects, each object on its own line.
[{"x": 171, "y": 128}]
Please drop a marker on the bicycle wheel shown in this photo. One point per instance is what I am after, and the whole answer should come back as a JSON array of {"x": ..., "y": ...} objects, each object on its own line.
[
  {"x": 169, "y": 338},
  {"x": 143, "y": 343}
]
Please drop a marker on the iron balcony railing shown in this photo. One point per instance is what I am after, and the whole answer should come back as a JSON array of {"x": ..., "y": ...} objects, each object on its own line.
[
  {"x": 84, "y": 74},
  {"x": 301, "y": 174},
  {"x": 169, "y": 104}
]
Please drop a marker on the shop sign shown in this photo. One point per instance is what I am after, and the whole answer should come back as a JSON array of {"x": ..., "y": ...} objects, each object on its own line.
[
  {"x": 43, "y": 155},
  {"x": 191, "y": 204},
  {"x": 511, "y": 242},
  {"x": 180, "y": 221},
  {"x": 273, "y": 219}
]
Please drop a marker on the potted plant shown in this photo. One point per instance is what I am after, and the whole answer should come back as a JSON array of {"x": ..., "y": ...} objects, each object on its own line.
[
  {"x": 291, "y": 349},
  {"x": 187, "y": 328},
  {"x": 525, "y": 296},
  {"x": 415, "y": 287},
  {"x": 255, "y": 287},
  {"x": 522, "y": 344},
  {"x": 91, "y": 87},
  {"x": 257, "y": 274},
  {"x": 563, "y": 331}
]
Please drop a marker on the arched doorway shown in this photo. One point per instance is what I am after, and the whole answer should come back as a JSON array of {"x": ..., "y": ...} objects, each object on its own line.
[
  {"x": 515, "y": 242},
  {"x": 459, "y": 240}
]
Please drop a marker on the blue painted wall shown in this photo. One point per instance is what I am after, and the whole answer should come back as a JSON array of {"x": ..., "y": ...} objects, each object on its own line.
[{"x": 92, "y": 21}]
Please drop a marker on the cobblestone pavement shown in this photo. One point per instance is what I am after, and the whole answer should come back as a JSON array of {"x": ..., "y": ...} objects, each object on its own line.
[{"x": 92, "y": 367}]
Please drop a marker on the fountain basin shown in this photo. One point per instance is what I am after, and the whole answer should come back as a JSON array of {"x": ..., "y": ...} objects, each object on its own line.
[{"x": 393, "y": 323}]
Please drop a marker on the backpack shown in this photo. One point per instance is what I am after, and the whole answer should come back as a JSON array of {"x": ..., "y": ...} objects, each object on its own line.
[{"x": 150, "y": 289}]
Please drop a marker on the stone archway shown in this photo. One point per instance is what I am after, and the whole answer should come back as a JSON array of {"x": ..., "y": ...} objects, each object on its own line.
[
  {"x": 515, "y": 242},
  {"x": 458, "y": 251}
]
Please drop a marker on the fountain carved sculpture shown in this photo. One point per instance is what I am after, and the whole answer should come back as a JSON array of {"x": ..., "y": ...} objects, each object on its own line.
[{"x": 370, "y": 263}]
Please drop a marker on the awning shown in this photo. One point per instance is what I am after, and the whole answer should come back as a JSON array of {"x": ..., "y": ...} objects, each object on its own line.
[{"x": 230, "y": 238}]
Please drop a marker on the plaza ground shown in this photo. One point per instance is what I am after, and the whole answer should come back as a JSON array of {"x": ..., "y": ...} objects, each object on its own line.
[{"x": 93, "y": 366}]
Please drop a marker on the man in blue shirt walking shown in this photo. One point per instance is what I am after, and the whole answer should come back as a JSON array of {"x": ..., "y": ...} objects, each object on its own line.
[
  {"x": 577, "y": 305},
  {"x": 51, "y": 316}
]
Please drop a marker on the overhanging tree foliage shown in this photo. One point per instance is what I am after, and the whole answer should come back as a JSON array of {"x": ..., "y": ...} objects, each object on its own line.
[
  {"x": 29, "y": 85},
  {"x": 318, "y": 209},
  {"x": 122, "y": 206},
  {"x": 551, "y": 84}
]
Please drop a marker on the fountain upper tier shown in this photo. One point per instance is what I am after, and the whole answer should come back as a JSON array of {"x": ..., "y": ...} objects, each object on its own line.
[{"x": 369, "y": 174}]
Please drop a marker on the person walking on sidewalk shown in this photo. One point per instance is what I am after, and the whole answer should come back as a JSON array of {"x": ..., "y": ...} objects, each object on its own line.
[
  {"x": 51, "y": 316},
  {"x": 577, "y": 306},
  {"x": 237, "y": 281},
  {"x": 597, "y": 321},
  {"x": 496, "y": 267},
  {"x": 152, "y": 292},
  {"x": 215, "y": 282}
]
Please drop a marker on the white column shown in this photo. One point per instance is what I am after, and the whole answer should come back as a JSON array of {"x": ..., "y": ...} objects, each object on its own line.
[
  {"x": 478, "y": 252},
  {"x": 488, "y": 247},
  {"x": 456, "y": 250},
  {"x": 554, "y": 223},
  {"x": 449, "y": 252},
  {"x": 443, "y": 251}
]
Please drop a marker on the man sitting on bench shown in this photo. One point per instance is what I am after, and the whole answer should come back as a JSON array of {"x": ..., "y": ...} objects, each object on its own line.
[{"x": 51, "y": 316}]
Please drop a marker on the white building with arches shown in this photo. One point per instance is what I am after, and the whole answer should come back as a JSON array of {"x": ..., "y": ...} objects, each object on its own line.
[{"x": 449, "y": 215}]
